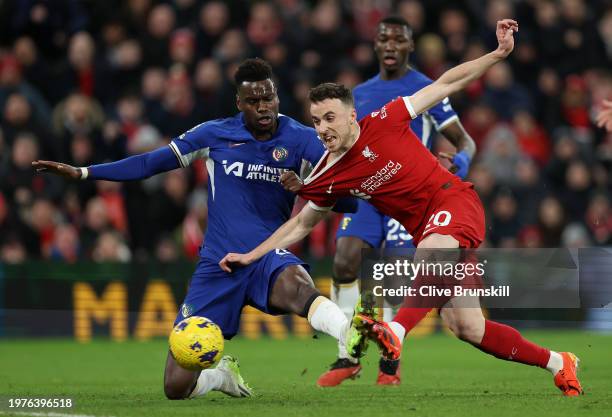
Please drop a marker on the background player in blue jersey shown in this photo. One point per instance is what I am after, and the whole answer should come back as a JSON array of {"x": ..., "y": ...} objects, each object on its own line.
[
  {"x": 246, "y": 155},
  {"x": 368, "y": 228}
]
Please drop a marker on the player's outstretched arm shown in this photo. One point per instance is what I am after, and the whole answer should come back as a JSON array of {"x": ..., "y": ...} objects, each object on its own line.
[
  {"x": 57, "y": 168},
  {"x": 294, "y": 230},
  {"x": 457, "y": 78},
  {"x": 136, "y": 167}
]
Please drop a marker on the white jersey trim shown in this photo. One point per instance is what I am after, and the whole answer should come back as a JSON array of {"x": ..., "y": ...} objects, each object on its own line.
[
  {"x": 187, "y": 159},
  {"x": 177, "y": 153},
  {"x": 305, "y": 168},
  {"x": 445, "y": 123},
  {"x": 426, "y": 130},
  {"x": 210, "y": 167},
  {"x": 311, "y": 177},
  {"x": 409, "y": 107},
  {"x": 316, "y": 207}
]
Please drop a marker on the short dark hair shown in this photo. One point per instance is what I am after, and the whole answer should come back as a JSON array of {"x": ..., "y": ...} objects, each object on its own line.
[
  {"x": 331, "y": 90},
  {"x": 251, "y": 70},
  {"x": 396, "y": 20}
]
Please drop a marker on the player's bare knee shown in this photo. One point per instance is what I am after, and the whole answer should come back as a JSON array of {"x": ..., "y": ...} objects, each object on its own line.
[{"x": 174, "y": 391}]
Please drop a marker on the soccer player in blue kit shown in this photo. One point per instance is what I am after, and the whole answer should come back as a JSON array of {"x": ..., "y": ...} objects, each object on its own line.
[
  {"x": 245, "y": 156},
  {"x": 368, "y": 228}
]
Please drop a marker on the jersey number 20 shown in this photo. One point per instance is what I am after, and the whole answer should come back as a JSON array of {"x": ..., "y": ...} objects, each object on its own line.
[{"x": 441, "y": 218}]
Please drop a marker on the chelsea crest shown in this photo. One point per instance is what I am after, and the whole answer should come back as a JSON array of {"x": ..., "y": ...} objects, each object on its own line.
[{"x": 280, "y": 154}]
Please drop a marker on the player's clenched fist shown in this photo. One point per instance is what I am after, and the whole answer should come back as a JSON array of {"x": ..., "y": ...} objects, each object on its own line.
[
  {"x": 291, "y": 181},
  {"x": 505, "y": 31},
  {"x": 57, "y": 168}
]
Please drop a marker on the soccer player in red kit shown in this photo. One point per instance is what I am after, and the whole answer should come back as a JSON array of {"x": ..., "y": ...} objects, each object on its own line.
[{"x": 381, "y": 160}]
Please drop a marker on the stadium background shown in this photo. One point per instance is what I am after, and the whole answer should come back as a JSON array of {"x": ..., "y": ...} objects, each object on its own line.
[{"x": 90, "y": 81}]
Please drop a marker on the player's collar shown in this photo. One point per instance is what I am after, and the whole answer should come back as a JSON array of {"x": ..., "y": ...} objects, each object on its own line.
[{"x": 314, "y": 174}]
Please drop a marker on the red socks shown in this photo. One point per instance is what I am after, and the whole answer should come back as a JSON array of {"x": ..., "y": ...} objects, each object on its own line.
[
  {"x": 499, "y": 340},
  {"x": 505, "y": 342}
]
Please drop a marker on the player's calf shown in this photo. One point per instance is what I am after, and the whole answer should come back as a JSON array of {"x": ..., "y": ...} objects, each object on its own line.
[
  {"x": 174, "y": 391},
  {"x": 293, "y": 291},
  {"x": 467, "y": 324}
]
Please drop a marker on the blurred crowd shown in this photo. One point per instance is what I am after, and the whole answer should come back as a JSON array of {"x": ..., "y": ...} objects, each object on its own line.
[{"x": 85, "y": 82}]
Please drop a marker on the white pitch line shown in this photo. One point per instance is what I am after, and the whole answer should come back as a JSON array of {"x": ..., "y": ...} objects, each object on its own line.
[{"x": 39, "y": 414}]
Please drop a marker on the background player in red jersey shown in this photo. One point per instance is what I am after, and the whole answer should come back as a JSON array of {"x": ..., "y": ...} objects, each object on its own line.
[{"x": 381, "y": 160}]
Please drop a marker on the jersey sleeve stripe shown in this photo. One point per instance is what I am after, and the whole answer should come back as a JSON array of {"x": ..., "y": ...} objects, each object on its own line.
[
  {"x": 306, "y": 168},
  {"x": 318, "y": 208},
  {"x": 409, "y": 107},
  {"x": 453, "y": 118},
  {"x": 187, "y": 159},
  {"x": 177, "y": 153},
  {"x": 210, "y": 167}
]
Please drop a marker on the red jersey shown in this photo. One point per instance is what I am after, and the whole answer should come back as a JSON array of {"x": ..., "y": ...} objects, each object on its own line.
[{"x": 387, "y": 166}]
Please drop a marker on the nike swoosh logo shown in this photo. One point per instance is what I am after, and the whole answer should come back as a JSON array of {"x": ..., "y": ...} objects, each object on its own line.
[{"x": 233, "y": 145}]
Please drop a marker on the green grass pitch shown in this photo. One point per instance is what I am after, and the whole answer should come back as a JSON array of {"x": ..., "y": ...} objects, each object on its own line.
[{"x": 441, "y": 376}]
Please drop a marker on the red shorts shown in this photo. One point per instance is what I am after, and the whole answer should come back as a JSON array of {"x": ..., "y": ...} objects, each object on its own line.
[{"x": 457, "y": 213}]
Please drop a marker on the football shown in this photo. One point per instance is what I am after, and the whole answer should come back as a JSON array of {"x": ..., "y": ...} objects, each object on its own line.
[{"x": 196, "y": 343}]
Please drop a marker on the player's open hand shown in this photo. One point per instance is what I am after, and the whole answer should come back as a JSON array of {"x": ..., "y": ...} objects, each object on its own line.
[
  {"x": 505, "y": 36},
  {"x": 604, "y": 118},
  {"x": 57, "y": 168},
  {"x": 234, "y": 260},
  {"x": 291, "y": 181}
]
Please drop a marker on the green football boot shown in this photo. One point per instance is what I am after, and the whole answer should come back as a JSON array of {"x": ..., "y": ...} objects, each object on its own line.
[
  {"x": 357, "y": 334},
  {"x": 233, "y": 383}
]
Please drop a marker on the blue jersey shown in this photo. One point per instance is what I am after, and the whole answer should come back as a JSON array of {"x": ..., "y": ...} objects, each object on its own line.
[
  {"x": 246, "y": 202},
  {"x": 376, "y": 92}
]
